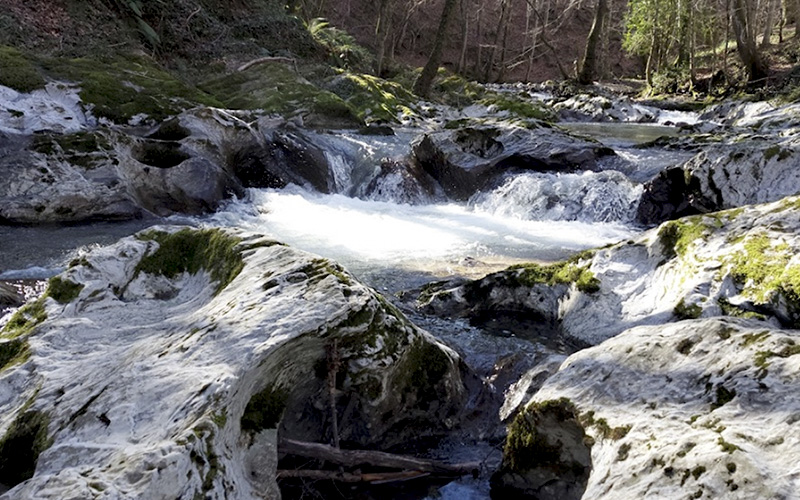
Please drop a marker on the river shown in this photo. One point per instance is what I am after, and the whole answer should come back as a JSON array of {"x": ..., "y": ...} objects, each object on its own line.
[{"x": 393, "y": 245}]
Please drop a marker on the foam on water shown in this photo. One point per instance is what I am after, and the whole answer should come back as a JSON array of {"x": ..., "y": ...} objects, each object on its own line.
[
  {"x": 364, "y": 233},
  {"x": 588, "y": 197}
]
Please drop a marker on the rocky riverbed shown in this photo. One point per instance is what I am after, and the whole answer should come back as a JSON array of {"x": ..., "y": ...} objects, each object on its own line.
[{"x": 649, "y": 349}]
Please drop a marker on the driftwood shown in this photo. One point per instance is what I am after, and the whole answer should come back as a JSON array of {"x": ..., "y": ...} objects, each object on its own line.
[
  {"x": 262, "y": 60},
  {"x": 351, "y": 477},
  {"x": 355, "y": 458}
]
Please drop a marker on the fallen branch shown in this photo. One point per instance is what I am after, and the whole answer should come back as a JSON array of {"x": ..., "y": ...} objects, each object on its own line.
[
  {"x": 354, "y": 458},
  {"x": 351, "y": 477},
  {"x": 262, "y": 60}
]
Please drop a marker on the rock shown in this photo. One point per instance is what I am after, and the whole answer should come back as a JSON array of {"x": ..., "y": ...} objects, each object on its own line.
[
  {"x": 741, "y": 262},
  {"x": 584, "y": 107},
  {"x": 400, "y": 182},
  {"x": 9, "y": 296},
  {"x": 113, "y": 174},
  {"x": 704, "y": 408},
  {"x": 723, "y": 177},
  {"x": 56, "y": 108},
  {"x": 166, "y": 366},
  {"x": 294, "y": 158},
  {"x": 468, "y": 159},
  {"x": 546, "y": 454}
]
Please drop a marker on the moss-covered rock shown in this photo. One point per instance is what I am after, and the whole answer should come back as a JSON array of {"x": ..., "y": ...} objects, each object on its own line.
[
  {"x": 17, "y": 71},
  {"x": 124, "y": 87},
  {"x": 276, "y": 88},
  {"x": 545, "y": 455},
  {"x": 189, "y": 251},
  {"x": 21, "y": 445}
]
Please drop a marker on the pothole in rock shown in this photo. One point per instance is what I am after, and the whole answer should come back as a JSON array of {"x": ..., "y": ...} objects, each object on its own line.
[{"x": 160, "y": 154}]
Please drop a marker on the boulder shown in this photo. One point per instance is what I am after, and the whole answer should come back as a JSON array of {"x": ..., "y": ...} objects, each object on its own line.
[
  {"x": 741, "y": 262},
  {"x": 704, "y": 408},
  {"x": 755, "y": 170},
  {"x": 588, "y": 108},
  {"x": 470, "y": 158},
  {"x": 168, "y": 365}
]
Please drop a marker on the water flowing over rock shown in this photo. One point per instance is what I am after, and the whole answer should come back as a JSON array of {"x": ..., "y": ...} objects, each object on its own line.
[
  {"x": 588, "y": 196},
  {"x": 470, "y": 159},
  {"x": 166, "y": 366},
  {"x": 741, "y": 262},
  {"x": 702, "y": 408}
]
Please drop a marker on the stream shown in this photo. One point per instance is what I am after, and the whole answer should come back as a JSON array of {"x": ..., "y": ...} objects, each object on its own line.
[{"x": 394, "y": 242}]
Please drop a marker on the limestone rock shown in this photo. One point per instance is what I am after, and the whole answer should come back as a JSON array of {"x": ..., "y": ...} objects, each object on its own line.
[
  {"x": 468, "y": 159},
  {"x": 703, "y": 408},
  {"x": 166, "y": 366},
  {"x": 722, "y": 177}
]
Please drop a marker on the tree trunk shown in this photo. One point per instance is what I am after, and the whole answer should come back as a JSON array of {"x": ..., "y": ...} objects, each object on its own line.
[
  {"x": 589, "y": 65},
  {"x": 504, "y": 46},
  {"x": 381, "y": 33},
  {"x": 422, "y": 87},
  {"x": 769, "y": 24},
  {"x": 744, "y": 31},
  {"x": 790, "y": 13},
  {"x": 462, "y": 58},
  {"x": 501, "y": 23}
]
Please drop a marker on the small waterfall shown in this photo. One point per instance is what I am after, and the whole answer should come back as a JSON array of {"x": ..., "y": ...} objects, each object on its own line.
[{"x": 607, "y": 196}]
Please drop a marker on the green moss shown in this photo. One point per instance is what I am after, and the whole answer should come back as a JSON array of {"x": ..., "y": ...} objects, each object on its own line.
[
  {"x": 119, "y": 89},
  {"x": 684, "y": 311},
  {"x": 731, "y": 310},
  {"x": 771, "y": 151},
  {"x": 604, "y": 430},
  {"x": 622, "y": 452},
  {"x": 62, "y": 290},
  {"x": 24, "y": 440},
  {"x": 698, "y": 471},
  {"x": 428, "y": 365},
  {"x": 265, "y": 409},
  {"x": 676, "y": 236},
  {"x": 374, "y": 99},
  {"x": 25, "y": 319},
  {"x": 723, "y": 397},
  {"x": 220, "y": 418},
  {"x": 275, "y": 88},
  {"x": 13, "y": 351},
  {"x": 726, "y": 446},
  {"x": 762, "y": 269},
  {"x": 17, "y": 71},
  {"x": 762, "y": 357},
  {"x": 559, "y": 273},
  {"x": 526, "y": 448},
  {"x": 190, "y": 250},
  {"x": 455, "y": 90},
  {"x": 517, "y": 107}
]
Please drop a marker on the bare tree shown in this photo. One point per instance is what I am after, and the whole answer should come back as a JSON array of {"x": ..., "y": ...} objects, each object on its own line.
[
  {"x": 422, "y": 87},
  {"x": 588, "y": 67},
  {"x": 744, "y": 29}
]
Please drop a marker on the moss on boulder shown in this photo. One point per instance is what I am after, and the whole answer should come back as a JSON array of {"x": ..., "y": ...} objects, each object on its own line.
[
  {"x": 190, "y": 250},
  {"x": 17, "y": 71},
  {"x": 24, "y": 440}
]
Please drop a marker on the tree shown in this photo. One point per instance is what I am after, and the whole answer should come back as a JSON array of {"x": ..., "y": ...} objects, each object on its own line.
[
  {"x": 744, "y": 30},
  {"x": 382, "y": 33},
  {"x": 422, "y": 87},
  {"x": 589, "y": 65}
]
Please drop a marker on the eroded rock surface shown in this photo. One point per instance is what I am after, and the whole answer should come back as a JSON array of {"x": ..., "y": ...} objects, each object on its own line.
[
  {"x": 166, "y": 366},
  {"x": 703, "y": 408}
]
